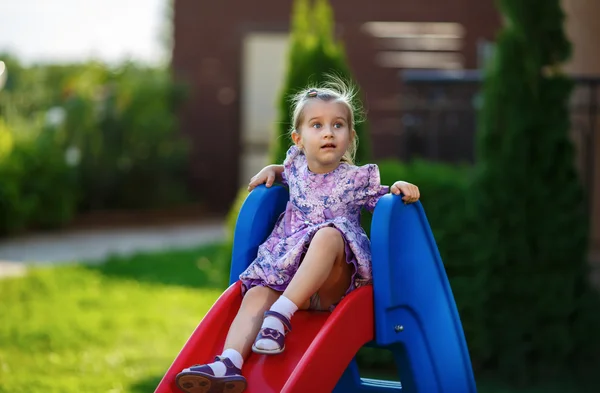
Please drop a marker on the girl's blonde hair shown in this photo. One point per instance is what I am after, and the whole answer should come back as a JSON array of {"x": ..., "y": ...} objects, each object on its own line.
[{"x": 334, "y": 89}]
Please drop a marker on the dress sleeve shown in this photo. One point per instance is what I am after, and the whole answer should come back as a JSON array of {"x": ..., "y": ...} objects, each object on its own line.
[
  {"x": 368, "y": 186},
  {"x": 289, "y": 164}
]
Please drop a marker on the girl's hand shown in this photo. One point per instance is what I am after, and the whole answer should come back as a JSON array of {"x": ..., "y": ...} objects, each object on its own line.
[
  {"x": 267, "y": 175},
  {"x": 410, "y": 191}
]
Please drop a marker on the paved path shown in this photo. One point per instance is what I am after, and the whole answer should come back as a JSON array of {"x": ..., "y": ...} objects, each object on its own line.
[{"x": 94, "y": 245}]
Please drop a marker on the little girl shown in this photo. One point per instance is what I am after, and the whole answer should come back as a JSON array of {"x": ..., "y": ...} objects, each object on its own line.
[{"x": 317, "y": 252}]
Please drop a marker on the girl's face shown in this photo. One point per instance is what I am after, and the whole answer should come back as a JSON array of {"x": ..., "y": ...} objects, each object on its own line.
[{"x": 324, "y": 134}]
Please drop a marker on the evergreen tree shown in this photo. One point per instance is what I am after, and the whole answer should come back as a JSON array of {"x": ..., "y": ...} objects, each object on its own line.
[
  {"x": 528, "y": 196},
  {"x": 314, "y": 52}
]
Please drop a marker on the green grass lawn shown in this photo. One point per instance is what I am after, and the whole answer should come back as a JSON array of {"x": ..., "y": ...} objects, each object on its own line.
[{"x": 109, "y": 328}]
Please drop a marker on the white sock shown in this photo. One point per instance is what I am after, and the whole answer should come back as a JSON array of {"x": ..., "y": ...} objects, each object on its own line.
[
  {"x": 219, "y": 368},
  {"x": 283, "y": 306},
  {"x": 235, "y": 357}
]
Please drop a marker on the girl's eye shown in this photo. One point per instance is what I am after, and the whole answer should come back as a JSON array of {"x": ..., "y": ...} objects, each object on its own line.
[
  {"x": 338, "y": 125},
  {"x": 316, "y": 125}
]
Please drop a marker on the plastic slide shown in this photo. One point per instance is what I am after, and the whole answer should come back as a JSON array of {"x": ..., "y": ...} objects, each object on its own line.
[{"x": 409, "y": 310}]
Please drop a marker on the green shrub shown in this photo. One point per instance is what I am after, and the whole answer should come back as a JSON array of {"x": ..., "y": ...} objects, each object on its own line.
[
  {"x": 445, "y": 198},
  {"x": 540, "y": 316},
  {"x": 96, "y": 136},
  {"x": 38, "y": 187},
  {"x": 124, "y": 124}
]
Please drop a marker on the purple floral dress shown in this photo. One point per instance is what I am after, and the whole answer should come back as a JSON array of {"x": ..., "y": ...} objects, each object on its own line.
[{"x": 332, "y": 199}]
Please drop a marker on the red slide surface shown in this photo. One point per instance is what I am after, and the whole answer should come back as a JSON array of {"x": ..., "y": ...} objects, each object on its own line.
[{"x": 318, "y": 350}]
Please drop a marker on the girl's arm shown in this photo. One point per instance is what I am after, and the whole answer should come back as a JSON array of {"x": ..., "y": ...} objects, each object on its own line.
[{"x": 268, "y": 175}]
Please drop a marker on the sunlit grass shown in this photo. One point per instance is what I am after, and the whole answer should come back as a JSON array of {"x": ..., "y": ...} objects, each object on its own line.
[{"x": 111, "y": 328}]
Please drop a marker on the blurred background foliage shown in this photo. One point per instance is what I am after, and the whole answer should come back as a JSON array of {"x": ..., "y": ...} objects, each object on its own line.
[{"x": 84, "y": 137}]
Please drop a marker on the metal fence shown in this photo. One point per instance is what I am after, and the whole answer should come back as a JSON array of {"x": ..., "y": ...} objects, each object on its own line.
[{"x": 439, "y": 117}]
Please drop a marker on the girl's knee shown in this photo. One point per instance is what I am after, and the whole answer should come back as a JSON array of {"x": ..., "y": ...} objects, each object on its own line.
[
  {"x": 329, "y": 235},
  {"x": 260, "y": 295}
]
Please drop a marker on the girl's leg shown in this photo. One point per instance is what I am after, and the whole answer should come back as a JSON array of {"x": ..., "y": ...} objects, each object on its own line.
[
  {"x": 245, "y": 326},
  {"x": 225, "y": 373},
  {"x": 323, "y": 271}
]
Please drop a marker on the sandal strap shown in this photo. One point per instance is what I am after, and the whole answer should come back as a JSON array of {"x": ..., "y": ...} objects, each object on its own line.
[
  {"x": 282, "y": 318},
  {"x": 231, "y": 368},
  {"x": 271, "y": 334}
]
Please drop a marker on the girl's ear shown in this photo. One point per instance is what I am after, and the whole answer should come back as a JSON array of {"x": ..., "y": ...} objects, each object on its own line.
[
  {"x": 296, "y": 138},
  {"x": 353, "y": 136}
]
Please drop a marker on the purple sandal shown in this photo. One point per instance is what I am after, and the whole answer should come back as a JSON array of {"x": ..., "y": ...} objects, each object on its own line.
[
  {"x": 201, "y": 379},
  {"x": 273, "y": 335}
]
